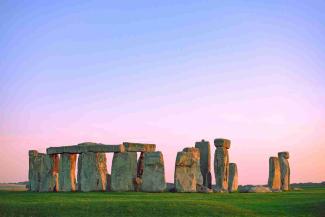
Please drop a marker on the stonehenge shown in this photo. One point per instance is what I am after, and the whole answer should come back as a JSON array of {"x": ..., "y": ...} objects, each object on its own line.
[
  {"x": 221, "y": 164},
  {"x": 124, "y": 171},
  {"x": 67, "y": 171},
  {"x": 284, "y": 170},
  {"x": 153, "y": 177},
  {"x": 205, "y": 161},
  {"x": 187, "y": 170},
  {"x": 274, "y": 181},
  {"x": 233, "y": 178},
  {"x": 56, "y": 169}
]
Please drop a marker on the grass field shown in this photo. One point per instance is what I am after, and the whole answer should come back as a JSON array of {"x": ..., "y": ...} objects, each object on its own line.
[{"x": 309, "y": 202}]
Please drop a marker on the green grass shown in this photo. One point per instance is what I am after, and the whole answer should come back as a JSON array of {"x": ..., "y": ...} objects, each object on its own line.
[{"x": 309, "y": 202}]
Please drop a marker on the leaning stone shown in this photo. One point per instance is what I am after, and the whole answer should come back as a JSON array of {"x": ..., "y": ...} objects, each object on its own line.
[
  {"x": 222, "y": 143},
  {"x": 221, "y": 164},
  {"x": 233, "y": 178},
  {"x": 36, "y": 163},
  {"x": 67, "y": 178},
  {"x": 140, "y": 165},
  {"x": 49, "y": 173},
  {"x": 205, "y": 161},
  {"x": 124, "y": 171},
  {"x": 274, "y": 181},
  {"x": 153, "y": 177},
  {"x": 92, "y": 172},
  {"x": 139, "y": 147},
  {"x": 187, "y": 170},
  {"x": 285, "y": 170}
]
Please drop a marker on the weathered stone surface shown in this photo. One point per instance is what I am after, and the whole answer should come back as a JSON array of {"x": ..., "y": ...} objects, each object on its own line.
[
  {"x": 153, "y": 177},
  {"x": 35, "y": 168},
  {"x": 139, "y": 147},
  {"x": 108, "y": 182},
  {"x": 49, "y": 173},
  {"x": 187, "y": 170},
  {"x": 43, "y": 172},
  {"x": 285, "y": 170},
  {"x": 233, "y": 178},
  {"x": 92, "y": 172},
  {"x": 221, "y": 168},
  {"x": 254, "y": 189},
  {"x": 124, "y": 171},
  {"x": 222, "y": 143},
  {"x": 205, "y": 161},
  {"x": 67, "y": 172},
  {"x": 274, "y": 181},
  {"x": 203, "y": 189},
  {"x": 85, "y": 147}
]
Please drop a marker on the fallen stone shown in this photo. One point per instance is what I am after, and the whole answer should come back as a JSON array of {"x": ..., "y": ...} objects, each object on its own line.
[
  {"x": 221, "y": 164},
  {"x": 274, "y": 181},
  {"x": 124, "y": 171},
  {"x": 187, "y": 170},
  {"x": 284, "y": 170},
  {"x": 139, "y": 147},
  {"x": 92, "y": 172},
  {"x": 67, "y": 178},
  {"x": 205, "y": 161},
  {"x": 153, "y": 177},
  {"x": 233, "y": 178},
  {"x": 254, "y": 189},
  {"x": 203, "y": 189}
]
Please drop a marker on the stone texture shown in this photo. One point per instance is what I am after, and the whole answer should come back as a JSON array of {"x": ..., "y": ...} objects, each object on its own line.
[
  {"x": 35, "y": 168},
  {"x": 124, "y": 171},
  {"x": 67, "y": 178},
  {"x": 203, "y": 189},
  {"x": 205, "y": 161},
  {"x": 274, "y": 181},
  {"x": 221, "y": 164},
  {"x": 92, "y": 172},
  {"x": 254, "y": 189},
  {"x": 222, "y": 143},
  {"x": 285, "y": 170},
  {"x": 85, "y": 147},
  {"x": 139, "y": 147},
  {"x": 43, "y": 172},
  {"x": 153, "y": 177},
  {"x": 187, "y": 170},
  {"x": 233, "y": 178},
  {"x": 49, "y": 173}
]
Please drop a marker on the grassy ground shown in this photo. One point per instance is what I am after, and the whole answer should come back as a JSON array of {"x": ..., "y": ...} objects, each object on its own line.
[{"x": 309, "y": 202}]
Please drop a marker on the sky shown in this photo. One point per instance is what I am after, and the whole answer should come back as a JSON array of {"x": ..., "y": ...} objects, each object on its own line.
[{"x": 165, "y": 72}]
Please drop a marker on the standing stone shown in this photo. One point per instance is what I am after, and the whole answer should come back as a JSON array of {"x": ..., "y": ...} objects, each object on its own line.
[
  {"x": 50, "y": 173},
  {"x": 67, "y": 178},
  {"x": 205, "y": 161},
  {"x": 153, "y": 177},
  {"x": 35, "y": 167},
  {"x": 187, "y": 170},
  {"x": 124, "y": 171},
  {"x": 285, "y": 170},
  {"x": 274, "y": 181},
  {"x": 233, "y": 178},
  {"x": 221, "y": 164},
  {"x": 92, "y": 171}
]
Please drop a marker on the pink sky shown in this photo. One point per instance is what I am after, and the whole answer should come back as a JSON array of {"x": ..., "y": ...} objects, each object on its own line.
[{"x": 165, "y": 73}]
